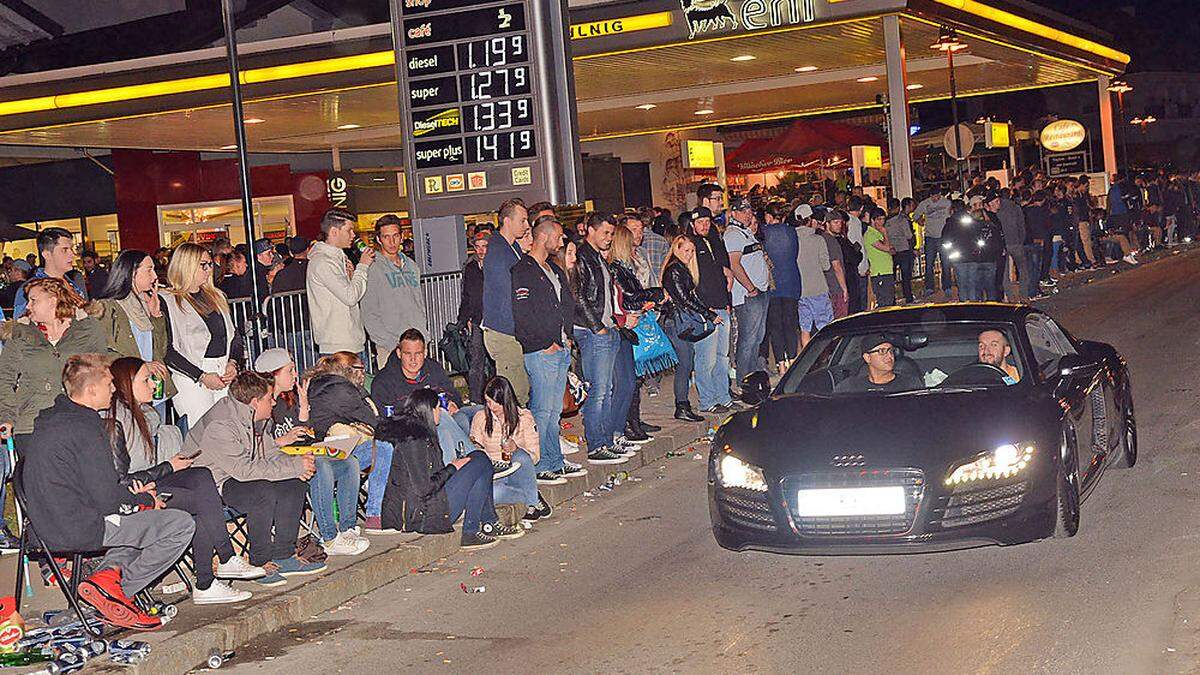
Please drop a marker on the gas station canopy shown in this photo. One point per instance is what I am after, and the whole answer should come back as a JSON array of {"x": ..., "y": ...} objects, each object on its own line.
[{"x": 640, "y": 67}]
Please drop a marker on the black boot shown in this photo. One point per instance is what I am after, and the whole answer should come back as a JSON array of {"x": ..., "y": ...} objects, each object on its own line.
[
  {"x": 634, "y": 433},
  {"x": 649, "y": 428},
  {"x": 683, "y": 411}
]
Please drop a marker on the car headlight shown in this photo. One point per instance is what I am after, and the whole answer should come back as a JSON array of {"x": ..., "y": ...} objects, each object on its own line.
[
  {"x": 1004, "y": 462},
  {"x": 733, "y": 472}
]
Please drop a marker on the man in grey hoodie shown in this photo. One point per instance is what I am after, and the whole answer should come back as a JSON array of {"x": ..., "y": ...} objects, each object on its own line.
[{"x": 394, "y": 301}]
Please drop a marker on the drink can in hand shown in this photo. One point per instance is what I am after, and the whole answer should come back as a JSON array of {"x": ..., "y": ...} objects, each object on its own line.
[{"x": 158, "y": 387}]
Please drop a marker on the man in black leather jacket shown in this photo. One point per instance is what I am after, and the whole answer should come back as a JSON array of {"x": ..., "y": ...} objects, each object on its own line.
[{"x": 596, "y": 334}]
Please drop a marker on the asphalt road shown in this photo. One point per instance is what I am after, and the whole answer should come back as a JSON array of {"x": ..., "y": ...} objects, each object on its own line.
[{"x": 633, "y": 582}]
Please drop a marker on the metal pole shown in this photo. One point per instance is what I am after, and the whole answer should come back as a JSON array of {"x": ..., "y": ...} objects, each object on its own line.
[
  {"x": 239, "y": 130},
  {"x": 1124, "y": 132},
  {"x": 962, "y": 181}
]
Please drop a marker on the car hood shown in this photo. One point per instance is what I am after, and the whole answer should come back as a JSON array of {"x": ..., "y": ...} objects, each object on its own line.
[{"x": 796, "y": 433}]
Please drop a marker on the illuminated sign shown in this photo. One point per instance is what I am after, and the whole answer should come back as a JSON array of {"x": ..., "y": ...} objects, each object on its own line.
[
  {"x": 996, "y": 135},
  {"x": 628, "y": 24},
  {"x": 478, "y": 108},
  {"x": 1063, "y": 135},
  {"x": 699, "y": 155},
  {"x": 719, "y": 16},
  {"x": 867, "y": 156}
]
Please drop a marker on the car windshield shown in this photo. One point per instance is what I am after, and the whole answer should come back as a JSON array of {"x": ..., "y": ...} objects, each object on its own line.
[{"x": 908, "y": 359}]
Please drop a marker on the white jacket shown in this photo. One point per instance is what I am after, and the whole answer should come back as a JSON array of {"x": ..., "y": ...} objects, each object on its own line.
[{"x": 333, "y": 299}]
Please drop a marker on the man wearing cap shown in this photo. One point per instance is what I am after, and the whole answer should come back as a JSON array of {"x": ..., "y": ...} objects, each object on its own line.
[
  {"x": 812, "y": 258},
  {"x": 394, "y": 301},
  {"x": 780, "y": 244},
  {"x": 935, "y": 210},
  {"x": 748, "y": 264},
  {"x": 879, "y": 370},
  {"x": 712, "y": 353},
  {"x": 879, "y": 253},
  {"x": 291, "y": 277},
  {"x": 264, "y": 263}
]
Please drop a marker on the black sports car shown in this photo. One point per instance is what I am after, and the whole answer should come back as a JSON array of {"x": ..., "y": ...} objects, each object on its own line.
[{"x": 924, "y": 428}]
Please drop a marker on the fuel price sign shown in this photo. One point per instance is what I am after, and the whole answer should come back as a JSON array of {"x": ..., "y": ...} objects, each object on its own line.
[{"x": 487, "y": 103}]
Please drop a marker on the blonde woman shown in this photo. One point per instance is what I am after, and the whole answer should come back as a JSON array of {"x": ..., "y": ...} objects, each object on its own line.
[
  {"x": 680, "y": 274},
  {"x": 202, "y": 351}
]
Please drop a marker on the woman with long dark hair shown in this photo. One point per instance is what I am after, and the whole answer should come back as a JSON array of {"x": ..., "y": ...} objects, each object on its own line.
[
  {"x": 132, "y": 315},
  {"x": 509, "y": 436},
  {"x": 423, "y": 494},
  {"x": 140, "y": 442}
]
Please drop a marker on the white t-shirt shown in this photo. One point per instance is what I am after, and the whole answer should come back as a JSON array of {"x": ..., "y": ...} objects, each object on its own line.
[{"x": 741, "y": 240}]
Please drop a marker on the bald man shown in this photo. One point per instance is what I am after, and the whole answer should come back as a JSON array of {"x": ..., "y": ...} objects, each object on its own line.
[{"x": 994, "y": 350}]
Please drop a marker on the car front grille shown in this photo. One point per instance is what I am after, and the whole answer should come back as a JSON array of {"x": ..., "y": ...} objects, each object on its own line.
[
  {"x": 968, "y": 505},
  {"x": 913, "y": 481},
  {"x": 746, "y": 508}
]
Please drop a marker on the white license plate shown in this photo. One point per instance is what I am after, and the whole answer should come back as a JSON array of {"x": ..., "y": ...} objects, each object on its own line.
[{"x": 868, "y": 501}]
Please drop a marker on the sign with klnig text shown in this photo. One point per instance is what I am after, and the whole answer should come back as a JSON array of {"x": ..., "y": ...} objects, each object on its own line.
[{"x": 486, "y": 103}]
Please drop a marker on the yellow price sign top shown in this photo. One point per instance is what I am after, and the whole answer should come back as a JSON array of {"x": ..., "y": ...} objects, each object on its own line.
[{"x": 700, "y": 154}]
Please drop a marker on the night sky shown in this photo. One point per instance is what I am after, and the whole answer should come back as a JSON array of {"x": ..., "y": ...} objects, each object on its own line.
[{"x": 1158, "y": 34}]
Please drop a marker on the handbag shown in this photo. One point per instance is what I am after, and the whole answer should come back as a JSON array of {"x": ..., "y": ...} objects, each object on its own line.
[
  {"x": 454, "y": 346},
  {"x": 692, "y": 326},
  {"x": 653, "y": 352}
]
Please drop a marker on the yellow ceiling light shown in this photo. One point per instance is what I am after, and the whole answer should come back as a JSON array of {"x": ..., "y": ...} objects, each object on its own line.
[
  {"x": 806, "y": 69},
  {"x": 1029, "y": 26},
  {"x": 229, "y": 147},
  {"x": 194, "y": 84},
  {"x": 743, "y": 57},
  {"x": 253, "y": 120},
  {"x": 646, "y": 106},
  {"x": 914, "y": 86}
]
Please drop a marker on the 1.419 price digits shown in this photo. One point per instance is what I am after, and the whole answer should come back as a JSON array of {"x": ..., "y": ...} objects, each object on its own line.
[{"x": 500, "y": 147}]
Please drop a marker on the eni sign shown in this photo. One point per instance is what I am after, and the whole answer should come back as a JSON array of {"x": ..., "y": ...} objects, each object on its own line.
[
  {"x": 720, "y": 16},
  {"x": 1063, "y": 135}
]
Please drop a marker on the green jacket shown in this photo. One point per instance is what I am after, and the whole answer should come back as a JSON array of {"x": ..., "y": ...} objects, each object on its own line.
[
  {"x": 31, "y": 368},
  {"x": 114, "y": 323}
]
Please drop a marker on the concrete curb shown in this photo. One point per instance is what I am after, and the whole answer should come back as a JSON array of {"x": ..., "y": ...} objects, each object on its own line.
[{"x": 189, "y": 650}]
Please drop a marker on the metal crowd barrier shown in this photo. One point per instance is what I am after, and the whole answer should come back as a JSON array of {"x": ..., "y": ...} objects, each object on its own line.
[{"x": 285, "y": 321}]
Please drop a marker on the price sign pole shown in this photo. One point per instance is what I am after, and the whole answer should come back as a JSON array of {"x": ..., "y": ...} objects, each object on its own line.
[{"x": 487, "y": 104}]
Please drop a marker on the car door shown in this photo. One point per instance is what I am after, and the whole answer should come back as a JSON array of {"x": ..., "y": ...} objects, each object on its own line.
[
  {"x": 1096, "y": 400},
  {"x": 1049, "y": 345}
]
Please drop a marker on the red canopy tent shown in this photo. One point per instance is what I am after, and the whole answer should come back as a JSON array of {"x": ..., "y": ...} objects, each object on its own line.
[{"x": 805, "y": 142}]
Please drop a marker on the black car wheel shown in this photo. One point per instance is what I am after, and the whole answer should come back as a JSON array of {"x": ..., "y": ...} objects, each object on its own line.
[
  {"x": 1129, "y": 439},
  {"x": 1066, "y": 524}
]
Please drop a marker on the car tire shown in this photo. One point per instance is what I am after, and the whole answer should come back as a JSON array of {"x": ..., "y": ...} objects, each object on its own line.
[
  {"x": 1128, "y": 453},
  {"x": 1066, "y": 521}
]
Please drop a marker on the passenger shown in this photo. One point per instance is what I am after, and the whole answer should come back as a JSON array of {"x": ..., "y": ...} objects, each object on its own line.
[
  {"x": 146, "y": 453},
  {"x": 880, "y": 374},
  {"x": 994, "y": 350},
  {"x": 428, "y": 496}
]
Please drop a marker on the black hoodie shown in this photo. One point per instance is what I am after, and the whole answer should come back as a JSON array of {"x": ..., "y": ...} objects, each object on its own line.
[
  {"x": 415, "y": 497},
  {"x": 391, "y": 386},
  {"x": 69, "y": 479}
]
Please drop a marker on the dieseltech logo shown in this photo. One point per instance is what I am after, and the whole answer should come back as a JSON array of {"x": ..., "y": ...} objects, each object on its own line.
[{"x": 435, "y": 124}]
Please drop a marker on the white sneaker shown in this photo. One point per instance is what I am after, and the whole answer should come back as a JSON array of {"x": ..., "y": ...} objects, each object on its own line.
[
  {"x": 220, "y": 593},
  {"x": 237, "y": 568},
  {"x": 1130, "y": 259},
  {"x": 568, "y": 447},
  {"x": 346, "y": 543}
]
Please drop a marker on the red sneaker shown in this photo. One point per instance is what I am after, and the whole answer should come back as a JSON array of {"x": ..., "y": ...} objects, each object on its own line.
[{"x": 103, "y": 591}]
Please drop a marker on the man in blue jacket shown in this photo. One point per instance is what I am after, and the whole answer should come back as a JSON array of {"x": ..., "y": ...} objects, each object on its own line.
[{"x": 498, "y": 332}]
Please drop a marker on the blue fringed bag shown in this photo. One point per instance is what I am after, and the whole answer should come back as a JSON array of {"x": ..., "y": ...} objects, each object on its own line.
[{"x": 653, "y": 352}]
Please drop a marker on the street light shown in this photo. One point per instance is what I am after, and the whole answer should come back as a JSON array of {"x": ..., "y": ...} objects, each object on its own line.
[
  {"x": 948, "y": 42},
  {"x": 1143, "y": 122},
  {"x": 1120, "y": 88}
]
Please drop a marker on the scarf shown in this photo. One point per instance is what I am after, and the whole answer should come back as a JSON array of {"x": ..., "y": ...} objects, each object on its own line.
[{"x": 135, "y": 309}]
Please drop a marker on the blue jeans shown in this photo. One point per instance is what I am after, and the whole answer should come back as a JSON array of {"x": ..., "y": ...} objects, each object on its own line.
[
  {"x": 378, "y": 478},
  {"x": 453, "y": 439},
  {"x": 469, "y": 492},
  {"x": 1031, "y": 272},
  {"x": 683, "y": 370},
  {"x": 711, "y": 365},
  {"x": 598, "y": 358},
  {"x": 335, "y": 479},
  {"x": 934, "y": 251},
  {"x": 975, "y": 280},
  {"x": 752, "y": 327},
  {"x": 625, "y": 383},
  {"x": 520, "y": 486},
  {"x": 547, "y": 383}
]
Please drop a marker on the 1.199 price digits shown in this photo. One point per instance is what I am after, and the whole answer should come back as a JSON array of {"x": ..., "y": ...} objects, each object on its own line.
[
  {"x": 497, "y": 51},
  {"x": 500, "y": 147}
]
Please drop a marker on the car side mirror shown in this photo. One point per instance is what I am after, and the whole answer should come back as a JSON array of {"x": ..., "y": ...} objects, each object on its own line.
[{"x": 1074, "y": 365}]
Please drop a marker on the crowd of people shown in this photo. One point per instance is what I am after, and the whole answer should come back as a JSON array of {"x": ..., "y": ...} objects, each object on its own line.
[{"x": 142, "y": 418}]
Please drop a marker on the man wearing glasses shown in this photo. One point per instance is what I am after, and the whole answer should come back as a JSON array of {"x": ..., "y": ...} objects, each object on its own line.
[{"x": 879, "y": 375}]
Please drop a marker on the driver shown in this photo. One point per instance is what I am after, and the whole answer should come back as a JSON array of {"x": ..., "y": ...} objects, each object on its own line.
[
  {"x": 994, "y": 350},
  {"x": 880, "y": 374}
]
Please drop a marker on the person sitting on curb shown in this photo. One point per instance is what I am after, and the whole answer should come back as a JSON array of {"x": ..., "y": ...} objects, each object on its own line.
[
  {"x": 253, "y": 476},
  {"x": 423, "y": 494},
  {"x": 408, "y": 369},
  {"x": 509, "y": 436},
  {"x": 77, "y": 503},
  {"x": 145, "y": 450}
]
